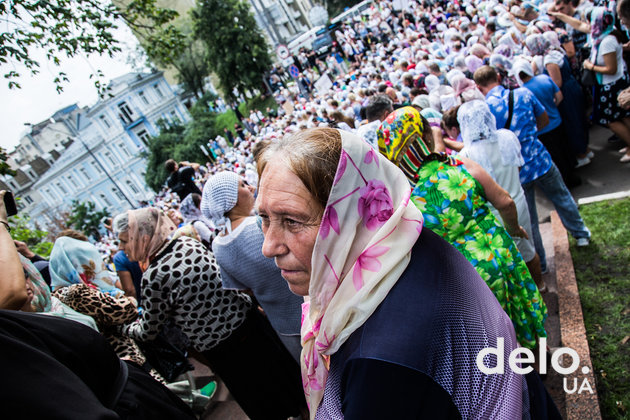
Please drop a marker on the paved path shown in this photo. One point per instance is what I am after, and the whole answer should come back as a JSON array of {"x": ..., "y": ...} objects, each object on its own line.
[{"x": 604, "y": 175}]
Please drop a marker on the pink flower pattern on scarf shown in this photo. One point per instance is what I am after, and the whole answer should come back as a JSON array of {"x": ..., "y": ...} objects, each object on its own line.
[{"x": 375, "y": 226}]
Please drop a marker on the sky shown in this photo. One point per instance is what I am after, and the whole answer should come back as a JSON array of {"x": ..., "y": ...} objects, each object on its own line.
[{"x": 37, "y": 100}]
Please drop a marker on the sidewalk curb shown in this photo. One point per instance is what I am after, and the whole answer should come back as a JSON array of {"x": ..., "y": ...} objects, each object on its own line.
[
  {"x": 603, "y": 197},
  {"x": 572, "y": 330}
]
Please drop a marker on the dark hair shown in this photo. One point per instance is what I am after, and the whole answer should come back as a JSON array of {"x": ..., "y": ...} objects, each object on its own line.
[
  {"x": 485, "y": 75},
  {"x": 433, "y": 66},
  {"x": 624, "y": 9},
  {"x": 449, "y": 118},
  {"x": 377, "y": 105},
  {"x": 196, "y": 198},
  {"x": 312, "y": 154},
  {"x": 170, "y": 165}
]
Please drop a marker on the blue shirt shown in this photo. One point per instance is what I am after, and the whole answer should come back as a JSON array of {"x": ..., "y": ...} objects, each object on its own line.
[
  {"x": 122, "y": 263},
  {"x": 526, "y": 109},
  {"x": 544, "y": 89}
]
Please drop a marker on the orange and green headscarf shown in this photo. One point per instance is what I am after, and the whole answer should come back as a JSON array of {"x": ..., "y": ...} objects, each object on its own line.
[{"x": 400, "y": 141}]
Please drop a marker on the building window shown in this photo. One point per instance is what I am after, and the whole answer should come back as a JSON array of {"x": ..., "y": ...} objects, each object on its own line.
[
  {"x": 109, "y": 157},
  {"x": 105, "y": 121},
  {"x": 61, "y": 188},
  {"x": 13, "y": 185},
  {"x": 158, "y": 90},
  {"x": 28, "y": 199},
  {"x": 97, "y": 167},
  {"x": 126, "y": 114},
  {"x": 84, "y": 173},
  {"x": 105, "y": 200},
  {"x": 123, "y": 148},
  {"x": 32, "y": 174},
  {"x": 144, "y": 136},
  {"x": 71, "y": 181},
  {"x": 132, "y": 187},
  {"x": 143, "y": 97},
  {"x": 118, "y": 193}
]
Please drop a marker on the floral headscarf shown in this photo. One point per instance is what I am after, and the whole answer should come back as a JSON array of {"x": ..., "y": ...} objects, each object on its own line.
[
  {"x": 537, "y": 44},
  {"x": 400, "y": 141},
  {"x": 602, "y": 24},
  {"x": 41, "y": 293},
  {"x": 149, "y": 230},
  {"x": 363, "y": 246},
  {"x": 74, "y": 262},
  {"x": 188, "y": 210}
]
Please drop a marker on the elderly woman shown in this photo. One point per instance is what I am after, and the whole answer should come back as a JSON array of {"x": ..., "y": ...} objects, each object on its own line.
[
  {"x": 452, "y": 195},
  {"x": 391, "y": 304},
  {"x": 229, "y": 202},
  {"x": 499, "y": 153},
  {"x": 181, "y": 281}
]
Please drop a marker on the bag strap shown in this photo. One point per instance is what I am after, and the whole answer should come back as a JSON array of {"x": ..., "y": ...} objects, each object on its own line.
[
  {"x": 118, "y": 386},
  {"x": 508, "y": 123}
]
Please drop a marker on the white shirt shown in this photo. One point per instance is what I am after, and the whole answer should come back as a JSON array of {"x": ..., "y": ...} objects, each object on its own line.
[{"x": 609, "y": 45}]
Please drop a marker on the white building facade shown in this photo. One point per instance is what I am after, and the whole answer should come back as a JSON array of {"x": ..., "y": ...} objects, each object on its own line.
[
  {"x": 282, "y": 20},
  {"x": 105, "y": 163}
]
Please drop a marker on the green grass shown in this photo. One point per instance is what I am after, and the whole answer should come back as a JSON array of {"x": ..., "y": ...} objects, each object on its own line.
[
  {"x": 603, "y": 275},
  {"x": 228, "y": 118}
]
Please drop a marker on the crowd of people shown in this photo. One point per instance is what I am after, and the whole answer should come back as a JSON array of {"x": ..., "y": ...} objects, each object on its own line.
[{"x": 374, "y": 234}]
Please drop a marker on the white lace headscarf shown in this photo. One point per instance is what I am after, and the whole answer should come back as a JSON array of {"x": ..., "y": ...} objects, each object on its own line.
[
  {"x": 478, "y": 130},
  {"x": 220, "y": 195},
  {"x": 521, "y": 66}
]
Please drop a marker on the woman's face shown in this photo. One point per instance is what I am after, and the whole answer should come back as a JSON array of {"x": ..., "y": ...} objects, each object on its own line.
[
  {"x": 123, "y": 238},
  {"x": 291, "y": 218},
  {"x": 245, "y": 200}
]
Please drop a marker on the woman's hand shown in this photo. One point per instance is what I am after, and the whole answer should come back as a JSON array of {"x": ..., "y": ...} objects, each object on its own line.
[
  {"x": 588, "y": 65},
  {"x": 520, "y": 232}
]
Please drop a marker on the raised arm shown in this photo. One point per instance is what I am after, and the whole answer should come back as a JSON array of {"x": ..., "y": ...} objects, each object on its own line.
[{"x": 12, "y": 281}]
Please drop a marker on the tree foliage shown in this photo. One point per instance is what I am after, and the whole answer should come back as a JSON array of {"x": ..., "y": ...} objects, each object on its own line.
[
  {"x": 67, "y": 28},
  {"x": 335, "y": 7},
  {"x": 5, "y": 169},
  {"x": 190, "y": 60},
  {"x": 34, "y": 238},
  {"x": 85, "y": 217},
  {"x": 181, "y": 142},
  {"x": 237, "y": 50},
  {"x": 161, "y": 148}
]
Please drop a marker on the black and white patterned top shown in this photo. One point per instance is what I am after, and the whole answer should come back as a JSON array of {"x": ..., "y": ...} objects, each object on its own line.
[{"x": 184, "y": 283}]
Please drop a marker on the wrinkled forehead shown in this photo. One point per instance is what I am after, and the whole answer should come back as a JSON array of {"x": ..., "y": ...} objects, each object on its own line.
[{"x": 280, "y": 191}]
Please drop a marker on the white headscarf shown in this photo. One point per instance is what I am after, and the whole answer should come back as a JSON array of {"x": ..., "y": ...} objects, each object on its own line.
[
  {"x": 521, "y": 66},
  {"x": 478, "y": 130},
  {"x": 220, "y": 195}
]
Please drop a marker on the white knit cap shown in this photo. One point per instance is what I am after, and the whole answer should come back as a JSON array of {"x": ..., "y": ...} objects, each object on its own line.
[{"x": 220, "y": 195}]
